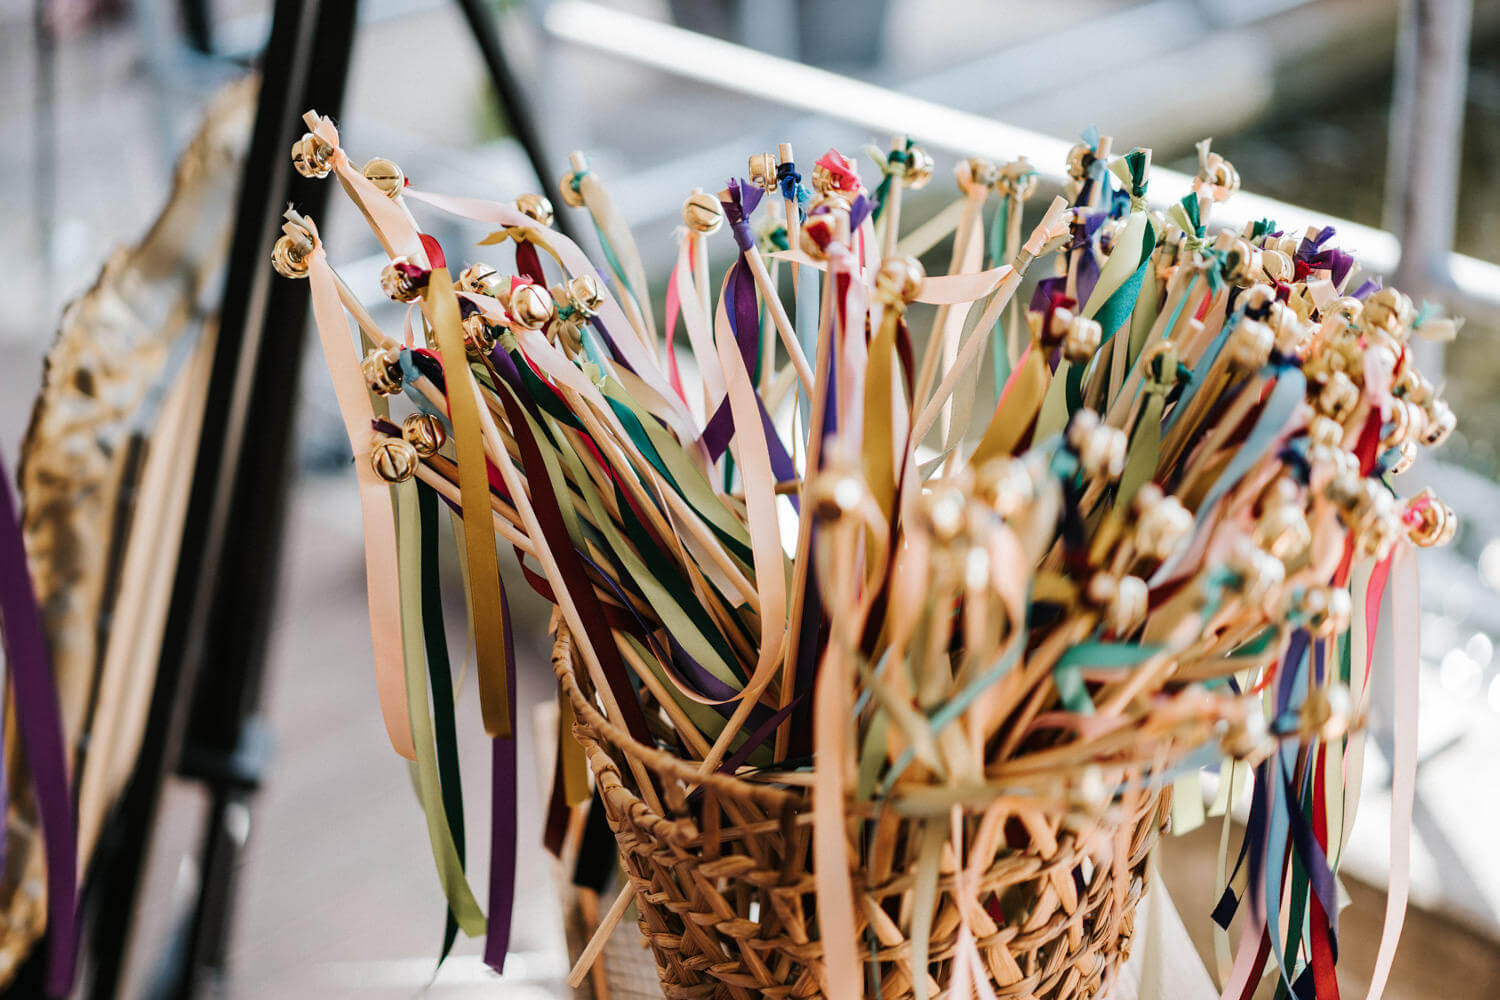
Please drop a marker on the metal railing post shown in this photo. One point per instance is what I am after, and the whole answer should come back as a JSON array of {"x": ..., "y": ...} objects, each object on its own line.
[{"x": 1426, "y": 147}]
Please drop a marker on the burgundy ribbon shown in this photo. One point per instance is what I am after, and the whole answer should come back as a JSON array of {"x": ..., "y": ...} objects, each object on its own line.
[{"x": 40, "y": 719}]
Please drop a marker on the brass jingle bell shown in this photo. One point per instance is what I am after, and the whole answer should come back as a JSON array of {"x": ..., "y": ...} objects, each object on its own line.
[
  {"x": 571, "y": 197},
  {"x": 1082, "y": 339},
  {"x": 424, "y": 432},
  {"x": 480, "y": 279},
  {"x": 1123, "y": 600},
  {"x": 382, "y": 371},
  {"x": 919, "y": 167},
  {"x": 835, "y": 496},
  {"x": 1260, "y": 574},
  {"x": 535, "y": 207},
  {"x": 393, "y": 459},
  {"x": 1440, "y": 422},
  {"x": 941, "y": 512},
  {"x": 1283, "y": 531},
  {"x": 826, "y": 181},
  {"x": 1338, "y": 397},
  {"x": 762, "y": 171},
  {"x": 1162, "y": 523},
  {"x": 900, "y": 279},
  {"x": 1017, "y": 179},
  {"x": 1250, "y": 345},
  {"x": 1389, "y": 309},
  {"x": 289, "y": 256},
  {"x": 479, "y": 335},
  {"x": 824, "y": 226},
  {"x": 1276, "y": 265},
  {"x": 403, "y": 280},
  {"x": 1406, "y": 456},
  {"x": 530, "y": 307},
  {"x": 1430, "y": 522},
  {"x": 1326, "y": 713},
  {"x": 1247, "y": 738},
  {"x": 1325, "y": 611},
  {"x": 982, "y": 172},
  {"x": 311, "y": 155},
  {"x": 385, "y": 175},
  {"x": 702, "y": 213},
  {"x": 1242, "y": 263},
  {"x": 1005, "y": 486},
  {"x": 586, "y": 292},
  {"x": 1100, "y": 448},
  {"x": 1080, "y": 157}
]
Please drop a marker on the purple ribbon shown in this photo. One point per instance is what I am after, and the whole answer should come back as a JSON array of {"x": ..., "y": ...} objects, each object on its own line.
[
  {"x": 1311, "y": 252},
  {"x": 743, "y": 309},
  {"x": 502, "y": 822},
  {"x": 40, "y": 719}
]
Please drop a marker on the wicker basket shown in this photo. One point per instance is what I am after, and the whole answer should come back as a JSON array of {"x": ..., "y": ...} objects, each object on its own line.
[{"x": 725, "y": 888}]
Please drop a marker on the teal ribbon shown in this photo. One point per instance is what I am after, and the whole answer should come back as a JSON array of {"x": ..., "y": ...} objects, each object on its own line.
[{"x": 1067, "y": 673}]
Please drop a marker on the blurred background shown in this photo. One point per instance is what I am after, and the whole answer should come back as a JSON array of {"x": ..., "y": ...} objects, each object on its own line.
[{"x": 1376, "y": 111}]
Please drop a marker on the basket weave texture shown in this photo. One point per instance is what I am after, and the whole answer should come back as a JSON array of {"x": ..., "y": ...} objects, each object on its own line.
[{"x": 725, "y": 884}]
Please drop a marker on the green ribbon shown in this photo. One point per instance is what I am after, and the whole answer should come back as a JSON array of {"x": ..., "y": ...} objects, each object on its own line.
[
  {"x": 1067, "y": 674},
  {"x": 445, "y": 852}
]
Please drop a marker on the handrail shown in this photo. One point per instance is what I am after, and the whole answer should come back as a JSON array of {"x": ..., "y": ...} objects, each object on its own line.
[{"x": 666, "y": 47}]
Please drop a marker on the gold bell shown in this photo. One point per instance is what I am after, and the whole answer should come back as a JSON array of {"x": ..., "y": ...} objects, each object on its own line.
[
  {"x": 1242, "y": 263},
  {"x": 382, "y": 371},
  {"x": 587, "y": 293},
  {"x": 385, "y": 175},
  {"x": 1326, "y": 713},
  {"x": 289, "y": 256},
  {"x": 535, "y": 207},
  {"x": 572, "y": 198},
  {"x": 702, "y": 213},
  {"x": 1389, "y": 308},
  {"x": 834, "y": 496},
  {"x": 900, "y": 279},
  {"x": 1325, "y": 611},
  {"x": 1250, "y": 344},
  {"x": 942, "y": 512},
  {"x": 1082, "y": 339},
  {"x": 1017, "y": 179},
  {"x": 1338, "y": 398},
  {"x": 530, "y": 307},
  {"x": 762, "y": 171},
  {"x": 1440, "y": 422},
  {"x": 825, "y": 225},
  {"x": 1247, "y": 738},
  {"x": 403, "y": 280},
  {"x": 311, "y": 154},
  {"x": 1100, "y": 448},
  {"x": 919, "y": 168},
  {"x": 424, "y": 432},
  {"x": 824, "y": 180},
  {"x": 1123, "y": 600},
  {"x": 1162, "y": 523},
  {"x": 479, "y": 336},
  {"x": 1259, "y": 573},
  {"x": 1005, "y": 485},
  {"x": 1430, "y": 522},
  {"x": 480, "y": 279},
  {"x": 982, "y": 172},
  {"x": 1282, "y": 529},
  {"x": 394, "y": 459},
  {"x": 1405, "y": 457},
  {"x": 1080, "y": 158}
]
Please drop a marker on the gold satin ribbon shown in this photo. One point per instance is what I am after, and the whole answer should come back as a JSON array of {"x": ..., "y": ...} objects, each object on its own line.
[
  {"x": 374, "y": 498},
  {"x": 488, "y": 604}
]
